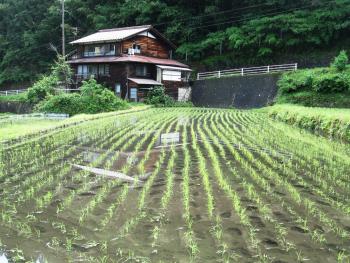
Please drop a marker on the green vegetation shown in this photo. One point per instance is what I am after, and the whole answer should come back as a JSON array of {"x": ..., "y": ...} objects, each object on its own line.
[
  {"x": 15, "y": 129},
  {"x": 341, "y": 61},
  {"x": 333, "y": 123},
  {"x": 234, "y": 186},
  {"x": 47, "y": 97},
  {"x": 315, "y": 99},
  {"x": 93, "y": 98},
  {"x": 21, "y": 128},
  {"x": 42, "y": 89},
  {"x": 22, "y": 97},
  {"x": 319, "y": 87},
  {"x": 211, "y": 34},
  {"x": 158, "y": 98}
]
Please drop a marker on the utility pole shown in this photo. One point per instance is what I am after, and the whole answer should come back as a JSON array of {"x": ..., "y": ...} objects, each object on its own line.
[{"x": 63, "y": 34}]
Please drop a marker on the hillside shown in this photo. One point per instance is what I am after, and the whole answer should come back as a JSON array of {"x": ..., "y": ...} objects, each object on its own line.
[{"x": 210, "y": 34}]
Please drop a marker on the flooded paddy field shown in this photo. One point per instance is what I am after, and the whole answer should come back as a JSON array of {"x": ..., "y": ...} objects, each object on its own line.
[{"x": 176, "y": 185}]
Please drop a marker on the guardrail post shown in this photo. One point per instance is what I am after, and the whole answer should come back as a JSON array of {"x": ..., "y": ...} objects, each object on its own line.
[
  {"x": 242, "y": 71},
  {"x": 268, "y": 69},
  {"x": 197, "y": 76},
  {"x": 219, "y": 74},
  {"x": 6, "y": 93},
  {"x": 296, "y": 66},
  {"x": 17, "y": 92}
]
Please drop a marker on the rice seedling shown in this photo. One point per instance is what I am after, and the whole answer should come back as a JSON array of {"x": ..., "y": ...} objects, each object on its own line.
[
  {"x": 125, "y": 229},
  {"x": 235, "y": 186},
  {"x": 127, "y": 167}
]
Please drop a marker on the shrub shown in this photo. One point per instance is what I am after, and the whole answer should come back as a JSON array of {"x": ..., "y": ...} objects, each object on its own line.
[
  {"x": 62, "y": 71},
  {"x": 158, "y": 98},
  {"x": 295, "y": 81},
  {"x": 331, "y": 82},
  {"x": 340, "y": 62},
  {"x": 41, "y": 89},
  {"x": 94, "y": 98},
  {"x": 69, "y": 103}
]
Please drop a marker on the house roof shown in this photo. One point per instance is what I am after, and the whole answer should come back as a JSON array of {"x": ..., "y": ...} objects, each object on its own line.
[
  {"x": 145, "y": 81},
  {"x": 127, "y": 58},
  {"x": 119, "y": 34}
]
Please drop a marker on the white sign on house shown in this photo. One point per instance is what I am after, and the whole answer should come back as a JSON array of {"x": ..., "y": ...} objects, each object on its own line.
[{"x": 172, "y": 75}]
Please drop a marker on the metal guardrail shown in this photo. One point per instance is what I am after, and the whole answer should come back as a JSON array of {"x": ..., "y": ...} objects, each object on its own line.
[
  {"x": 12, "y": 92},
  {"x": 247, "y": 71},
  {"x": 50, "y": 116},
  {"x": 19, "y": 91}
]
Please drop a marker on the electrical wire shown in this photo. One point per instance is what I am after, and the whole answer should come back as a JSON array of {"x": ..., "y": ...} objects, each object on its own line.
[
  {"x": 262, "y": 15},
  {"x": 214, "y": 13}
]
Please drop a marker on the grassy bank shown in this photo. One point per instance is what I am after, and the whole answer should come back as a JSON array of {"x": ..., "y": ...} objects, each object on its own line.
[
  {"x": 315, "y": 99},
  {"x": 333, "y": 123},
  {"x": 14, "y": 129},
  {"x": 20, "y": 97},
  {"x": 318, "y": 87}
]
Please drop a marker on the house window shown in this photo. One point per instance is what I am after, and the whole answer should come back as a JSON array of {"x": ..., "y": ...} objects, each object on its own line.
[
  {"x": 100, "y": 50},
  {"x": 89, "y": 51},
  {"x": 103, "y": 69},
  {"x": 136, "y": 48},
  {"x": 141, "y": 70},
  {"x": 82, "y": 70},
  {"x": 117, "y": 89},
  {"x": 93, "y": 69},
  {"x": 133, "y": 94},
  {"x": 109, "y": 50}
]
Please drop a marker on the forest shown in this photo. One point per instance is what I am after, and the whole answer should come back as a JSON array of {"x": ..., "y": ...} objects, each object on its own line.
[{"x": 209, "y": 34}]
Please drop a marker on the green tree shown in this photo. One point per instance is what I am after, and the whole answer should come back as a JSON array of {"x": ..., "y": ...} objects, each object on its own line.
[{"x": 341, "y": 61}]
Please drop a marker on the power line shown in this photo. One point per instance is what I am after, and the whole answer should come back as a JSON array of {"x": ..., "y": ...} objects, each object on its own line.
[
  {"x": 211, "y": 14},
  {"x": 261, "y": 16},
  {"x": 235, "y": 16}
]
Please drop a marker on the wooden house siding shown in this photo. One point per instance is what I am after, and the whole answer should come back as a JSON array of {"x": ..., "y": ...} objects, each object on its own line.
[{"x": 149, "y": 46}]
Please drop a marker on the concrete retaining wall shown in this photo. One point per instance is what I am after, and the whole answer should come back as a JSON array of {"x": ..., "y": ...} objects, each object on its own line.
[
  {"x": 238, "y": 92},
  {"x": 15, "y": 107}
]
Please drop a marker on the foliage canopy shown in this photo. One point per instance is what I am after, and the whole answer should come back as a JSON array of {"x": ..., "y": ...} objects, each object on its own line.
[{"x": 217, "y": 33}]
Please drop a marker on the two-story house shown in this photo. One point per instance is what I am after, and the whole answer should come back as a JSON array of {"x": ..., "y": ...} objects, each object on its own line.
[{"x": 129, "y": 60}]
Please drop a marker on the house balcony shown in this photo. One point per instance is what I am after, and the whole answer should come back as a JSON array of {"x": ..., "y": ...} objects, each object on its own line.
[
  {"x": 99, "y": 54},
  {"x": 92, "y": 54},
  {"x": 81, "y": 77}
]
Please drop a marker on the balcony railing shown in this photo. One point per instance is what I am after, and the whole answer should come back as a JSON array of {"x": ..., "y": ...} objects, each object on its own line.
[
  {"x": 93, "y": 54},
  {"x": 99, "y": 54},
  {"x": 80, "y": 77},
  {"x": 133, "y": 51}
]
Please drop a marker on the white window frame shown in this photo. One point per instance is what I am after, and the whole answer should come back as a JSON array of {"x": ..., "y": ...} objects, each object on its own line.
[
  {"x": 132, "y": 90},
  {"x": 137, "y": 48},
  {"x": 117, "y": 88}
]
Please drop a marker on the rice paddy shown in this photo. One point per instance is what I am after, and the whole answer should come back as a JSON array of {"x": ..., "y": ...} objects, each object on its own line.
[{"x": 176, "y": 185}]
